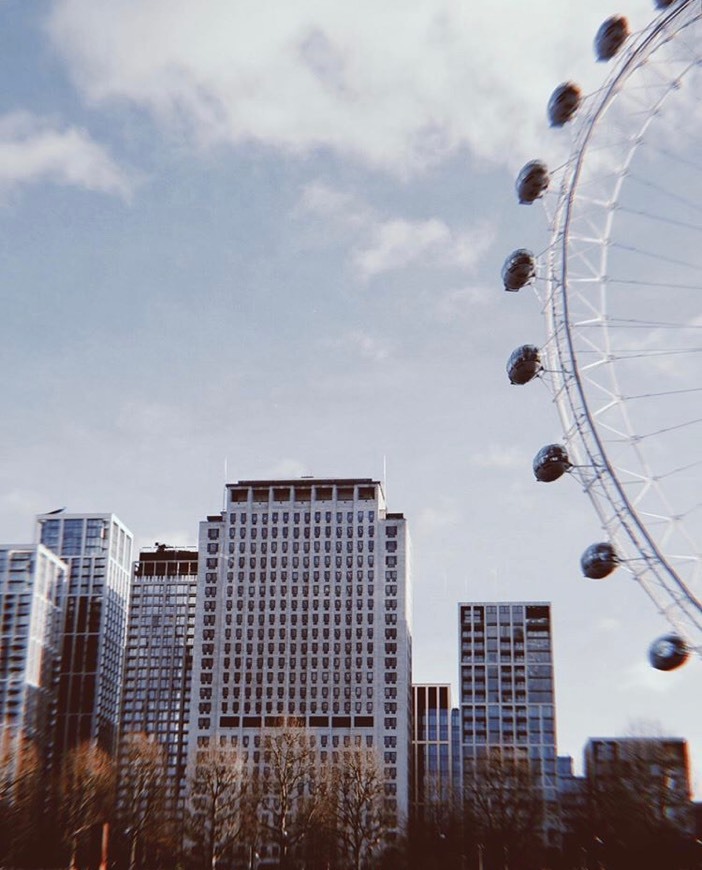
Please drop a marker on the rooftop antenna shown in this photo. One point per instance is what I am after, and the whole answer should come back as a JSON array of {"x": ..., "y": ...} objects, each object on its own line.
[
  {"x": 226, "y": 477},
  {"x": 385, "y": 476}
]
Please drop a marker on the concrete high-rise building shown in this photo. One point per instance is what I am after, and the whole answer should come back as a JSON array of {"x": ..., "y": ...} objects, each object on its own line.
[
  {"x": 303, "y": 617},
  {"x": 507, "y": 691},
  {"x": 158, "y": 665},
  {"x": 98, "y": 551},
  {"x": 436, "y": 752},
  {"x": 32, "y": 591}
]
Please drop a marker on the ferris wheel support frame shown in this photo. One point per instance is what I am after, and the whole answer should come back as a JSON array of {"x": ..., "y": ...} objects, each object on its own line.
[{"x": 592, "y": 466}]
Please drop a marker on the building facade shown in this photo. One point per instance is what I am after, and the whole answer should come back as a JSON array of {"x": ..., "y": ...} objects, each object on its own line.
[
  {"x": 158, "y": 664},
  {"x": 436, "y": 752},
  {"x": 98, "y": 551},
  {"x": 507, "y": 694},
  {"x": 576, "y": 834},
  {"x": 303, "y": 618},
  {"x": 651, "y": 774},
  {"x": 32, "y": 594}
]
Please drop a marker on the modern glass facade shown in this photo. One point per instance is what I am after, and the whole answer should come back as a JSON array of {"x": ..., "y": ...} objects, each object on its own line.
[
  {"x": 158, "y": 666},
  {"x": 435, "y": 750},
  {"x": 98, "y": 551},
  {"x": 32, "y": 594},
  {"x": 507, "y": 690}
]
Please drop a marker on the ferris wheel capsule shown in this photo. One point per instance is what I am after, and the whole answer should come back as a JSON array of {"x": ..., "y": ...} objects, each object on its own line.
[
  {"x": 518, "y": 269},
  {"x": 564, "y": 103},
  {"x": 524, "y": 364},
  {"x": 664, "y": 4},
  {"x": 599, "y": 560},
  {"x": 551, "y": 462},
  {"x": 668, "y": 652},
  {"x": 611, "y": 36},
  {"x": 532, "y": 181}
]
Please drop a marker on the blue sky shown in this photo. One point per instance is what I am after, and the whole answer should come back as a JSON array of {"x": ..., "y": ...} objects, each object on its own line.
[{"x": 272, "y": 238}]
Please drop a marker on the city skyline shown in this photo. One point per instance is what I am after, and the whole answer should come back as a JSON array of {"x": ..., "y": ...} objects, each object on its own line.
[
  {"x": 160, "y": 571},
  {"x": 194, "y": 285}
]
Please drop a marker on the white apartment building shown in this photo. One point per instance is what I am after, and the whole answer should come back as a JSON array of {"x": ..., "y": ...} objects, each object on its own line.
[
  {"x": 98, "y": 551},
  {"x": 303, "y": 616},
  {"x": 32, "y": 590}
]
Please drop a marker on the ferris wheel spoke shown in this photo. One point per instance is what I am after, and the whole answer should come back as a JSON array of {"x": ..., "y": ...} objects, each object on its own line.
[
  {"x": 659, "y": 352},
  {"x": 657, "y": 188},
  {"x": 622, "y": 306},
  {"x": 678, "y": 426},
  {"x": 660, "y": 218},
  {"x": 681, "y": 469},
  {"x": 672, "y": 155},
  {"x": 643, "y": 252},
  {"x": 667, "y": 393}
]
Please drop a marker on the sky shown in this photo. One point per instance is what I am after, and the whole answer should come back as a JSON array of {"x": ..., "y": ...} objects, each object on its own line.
[{"x": 245, "y": 240}]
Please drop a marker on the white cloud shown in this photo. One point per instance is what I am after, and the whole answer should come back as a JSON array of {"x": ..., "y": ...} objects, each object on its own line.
[
  {"x": 433, "y": 520},
  {"x": 285, "y": 469},
  {"x": 25, "y": 502},
  {"x": 389, "y": 244},
  {"x": 34, "y": 149},
  {"x": 398, "y": 243},
  {"x": 642, "y": 676},
  {"x": 608, "y": 625},
  {"x": 361, "y": 344},
  {"x": 460, "y": 302},
  {"x": 396, "y": 89},
  {"x": 503, "y": 458},
  {"x": 343, "y": 207}
]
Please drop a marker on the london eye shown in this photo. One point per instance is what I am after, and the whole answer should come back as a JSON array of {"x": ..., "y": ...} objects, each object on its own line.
[{"x": 620, "y": 289}]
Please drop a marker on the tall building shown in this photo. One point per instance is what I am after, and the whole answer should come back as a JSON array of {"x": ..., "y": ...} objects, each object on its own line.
[
  {"x": 98, "y": 551},
  {"x": 303, "y": 617},
  {"x": 158, "y": 665},
  {"x": 32, "y": 588},
  {"x": 507, "y": 692},
  {"x": 436, "y": 752}
]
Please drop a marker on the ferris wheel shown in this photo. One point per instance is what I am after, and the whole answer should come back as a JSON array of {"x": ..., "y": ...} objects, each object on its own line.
[{"x": 621, "y": 291}]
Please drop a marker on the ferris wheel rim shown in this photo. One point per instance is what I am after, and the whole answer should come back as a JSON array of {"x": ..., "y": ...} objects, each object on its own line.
[{"x": 577, "y": 417}]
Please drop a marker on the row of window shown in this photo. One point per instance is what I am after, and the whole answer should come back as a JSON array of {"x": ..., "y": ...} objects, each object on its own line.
[
  {"x": 313, "y": 692},
  {"x": 272, "y": 577},
  {"x": 298, "y": 517},
  {"x": 284, "y": 677},
  {"x": 293, "y": 633},
  {"x": 261, "y": 563},
  {"x": 361, "y": 617},
  {"x": 305, "y": 534},
  {"x": 298, "y": 603},
  {"x": 265, "y": 547},
  {"x": 283, "y": 648}
]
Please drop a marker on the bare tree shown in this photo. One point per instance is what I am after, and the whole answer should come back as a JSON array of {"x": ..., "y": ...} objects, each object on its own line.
[
  {"x": 357, "y": 798},
  {"x": 504, "y": 810},
  {"x": 87, "y": 782},
  {"x": 223, "y": 804},
  {"x": 292, "y": 788},
  {"x": 436, "y": 826},
  {"x": 21, "y": 794},
  {"x": 144, "y": 808}
]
